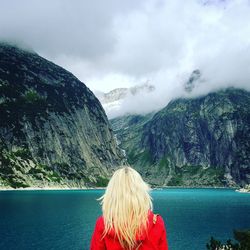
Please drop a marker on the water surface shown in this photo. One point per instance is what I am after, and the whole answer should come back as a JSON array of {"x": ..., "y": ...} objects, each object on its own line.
[{"x": 65, "y": 219}]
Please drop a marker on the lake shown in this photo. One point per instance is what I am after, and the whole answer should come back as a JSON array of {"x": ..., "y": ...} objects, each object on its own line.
[{"x": 65, "y": 219}]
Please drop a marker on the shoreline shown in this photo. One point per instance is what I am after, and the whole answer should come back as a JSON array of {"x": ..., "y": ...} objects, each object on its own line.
[
  {"x": 56, "y": 188},
  {"x": 243, "y": 190},
  {"x": 48, "y": 188},
  {"x": 205, "y": 187}
]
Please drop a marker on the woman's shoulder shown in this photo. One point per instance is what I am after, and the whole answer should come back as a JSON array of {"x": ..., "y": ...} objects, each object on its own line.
[
  {"x": 154, "y": 216},
  {"x": 100, "y": 223},
  {"x": 100, "y": 219},
  {"x": 159, "y": 219},
  {"x": 156, "y": 227},
  {"x": 156, "y": 219}
]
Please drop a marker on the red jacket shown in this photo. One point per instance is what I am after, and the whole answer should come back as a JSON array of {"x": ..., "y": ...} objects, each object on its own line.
[{"x": 155, "y": 239}]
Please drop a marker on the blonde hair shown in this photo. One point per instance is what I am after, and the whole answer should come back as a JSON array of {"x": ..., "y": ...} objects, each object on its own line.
[{"x": 125, "y": 206}]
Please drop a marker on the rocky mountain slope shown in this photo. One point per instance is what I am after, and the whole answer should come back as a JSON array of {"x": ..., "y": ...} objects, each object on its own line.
[
  {"x": 202, "y": 141},
  {"x": 53, "y": 130}
]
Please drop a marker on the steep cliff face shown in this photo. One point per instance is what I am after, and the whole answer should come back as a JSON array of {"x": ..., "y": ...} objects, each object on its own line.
[
  {"x": 53, "y": 130},
  {"x": 200, "y": 141}
]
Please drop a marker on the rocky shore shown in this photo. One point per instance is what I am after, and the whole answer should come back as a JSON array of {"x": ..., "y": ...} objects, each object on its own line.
[{"x": 246, "y": 189}]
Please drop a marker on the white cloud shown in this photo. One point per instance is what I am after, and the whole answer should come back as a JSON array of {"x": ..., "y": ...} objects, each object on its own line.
[{"x": 110, "y": 44}]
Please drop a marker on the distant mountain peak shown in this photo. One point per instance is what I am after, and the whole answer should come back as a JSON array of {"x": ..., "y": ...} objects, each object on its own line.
[
  {"x": 194, "y": 78},
  {"x": 121, "y": 93},
  {"x": 112, "y": 100}
]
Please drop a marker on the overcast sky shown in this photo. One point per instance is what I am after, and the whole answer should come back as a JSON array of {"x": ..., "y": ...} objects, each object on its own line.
[{"x": 117, "y": 43}]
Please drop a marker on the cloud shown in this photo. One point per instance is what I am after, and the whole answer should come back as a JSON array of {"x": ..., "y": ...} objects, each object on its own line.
[
  {"x": 76, "y": 28},
  {"x": 110, "y": 44},
  {"x": 148, "y": 101}
]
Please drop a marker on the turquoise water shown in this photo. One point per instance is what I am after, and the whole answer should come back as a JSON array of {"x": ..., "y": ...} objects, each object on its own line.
[{"x": 64, "y": 220}]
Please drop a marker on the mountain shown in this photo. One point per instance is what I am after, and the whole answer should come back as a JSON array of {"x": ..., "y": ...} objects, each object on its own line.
[
  {"x": 112, "y": 96},
  {"x": 112, "y": 101},
  {"x": 194, "y": 78},
  {"x": 53, "y": 130},
  {"x": 202, "y": 141}
]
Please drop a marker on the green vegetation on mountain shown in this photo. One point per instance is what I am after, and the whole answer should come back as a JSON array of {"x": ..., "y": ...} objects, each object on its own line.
[
  {"x": 53, "y": 130},
  {"x": 203, "y": 141}
]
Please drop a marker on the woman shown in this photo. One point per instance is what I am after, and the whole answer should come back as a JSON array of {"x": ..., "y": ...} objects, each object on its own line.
[{"x": 128, "y": 221}]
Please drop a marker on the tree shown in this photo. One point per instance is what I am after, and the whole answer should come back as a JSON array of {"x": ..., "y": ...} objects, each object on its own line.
[{"x": 243, "y": 238}]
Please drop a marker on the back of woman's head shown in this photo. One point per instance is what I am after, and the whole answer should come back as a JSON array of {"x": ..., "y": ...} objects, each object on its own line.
[{"x": 125, "y": 206}]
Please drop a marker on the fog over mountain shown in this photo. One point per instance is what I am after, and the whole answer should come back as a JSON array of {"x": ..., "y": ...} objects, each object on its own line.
[
  {"x": 119, "y": 44},
  {"x": 122, "y": 101}
]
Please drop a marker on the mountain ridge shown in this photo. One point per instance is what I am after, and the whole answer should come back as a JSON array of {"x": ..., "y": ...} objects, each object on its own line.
[
  {"x": 181, "y": 142},
  {"x": 53, "y": 130}
]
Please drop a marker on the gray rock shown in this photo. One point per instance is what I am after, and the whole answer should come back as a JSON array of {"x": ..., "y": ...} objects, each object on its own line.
[
  {"x": 192, "y": 142},
  {"x": 53, "y": 130}
]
